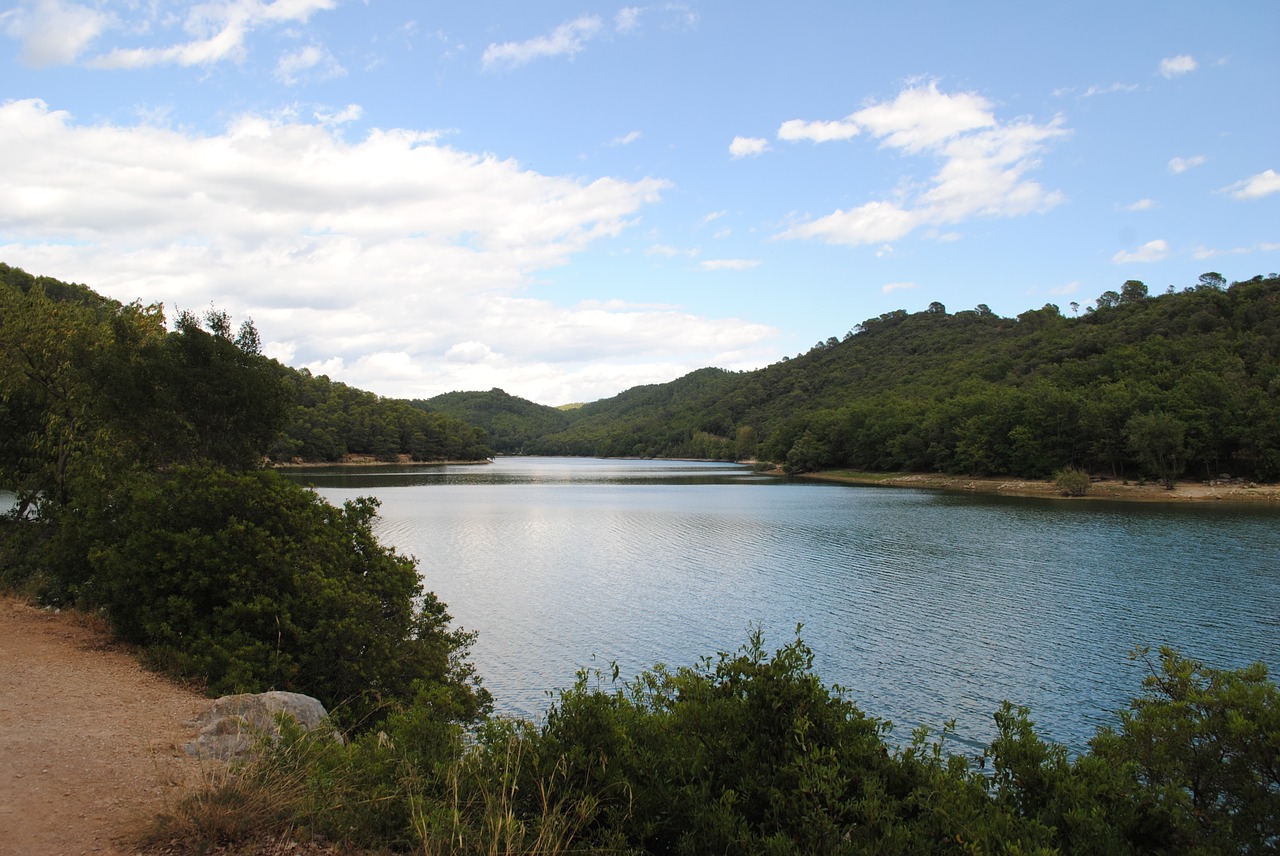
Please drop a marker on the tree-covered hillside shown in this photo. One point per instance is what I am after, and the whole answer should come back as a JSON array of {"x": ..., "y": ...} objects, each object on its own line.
[
  {"x": 509, "y": 422},
  {"x": 1186, "y": 382}
]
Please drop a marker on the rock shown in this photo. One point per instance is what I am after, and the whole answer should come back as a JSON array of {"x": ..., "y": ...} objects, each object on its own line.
[{"x": 232, "y": 724}]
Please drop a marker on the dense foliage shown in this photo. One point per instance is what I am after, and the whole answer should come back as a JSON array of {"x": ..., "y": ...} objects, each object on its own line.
[
  {"x": 330, "y": 421},
  {"x": 1187, "y": 382},
  {"x": 750, "y": 753},
  {"x": 135, "y": 454},
  {"x": 509, "y": 422}
]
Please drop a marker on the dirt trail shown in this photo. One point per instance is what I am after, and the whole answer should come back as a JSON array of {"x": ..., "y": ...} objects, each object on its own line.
[{"x": 90, "y": 742}]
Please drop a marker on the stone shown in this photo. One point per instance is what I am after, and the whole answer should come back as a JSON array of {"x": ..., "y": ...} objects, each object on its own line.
[{"x": 233, "y": 724}]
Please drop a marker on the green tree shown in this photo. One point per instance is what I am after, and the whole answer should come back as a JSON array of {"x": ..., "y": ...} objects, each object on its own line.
[
  {"x": 1204, "y": 744},
  {"x": 1157, "y": 440}
]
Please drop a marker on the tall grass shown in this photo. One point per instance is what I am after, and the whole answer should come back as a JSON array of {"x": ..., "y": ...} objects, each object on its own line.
[{"x": 379, "y": 792}]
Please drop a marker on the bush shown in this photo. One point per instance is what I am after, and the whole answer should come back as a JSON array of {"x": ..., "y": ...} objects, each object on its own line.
[
  {"x": 1072, "y": 481},
  {"x": 250, "y": 582}
]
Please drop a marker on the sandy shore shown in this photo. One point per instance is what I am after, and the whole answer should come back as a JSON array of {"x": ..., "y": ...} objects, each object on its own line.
[{"x": 1110, "y": 489}]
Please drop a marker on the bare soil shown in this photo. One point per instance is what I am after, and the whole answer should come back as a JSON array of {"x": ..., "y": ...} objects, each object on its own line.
[
  {"x": 90, "y": 742},
  {"x": 1108, "y": 489}
]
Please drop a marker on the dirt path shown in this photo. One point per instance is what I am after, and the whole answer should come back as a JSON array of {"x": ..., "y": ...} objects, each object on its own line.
[{"x": 90, "y": 742}]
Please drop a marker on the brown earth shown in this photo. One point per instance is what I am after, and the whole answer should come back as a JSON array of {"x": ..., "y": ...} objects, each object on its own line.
[
  {"x": 1107, "y": 489},
  {"x": 90, "y": 742}
]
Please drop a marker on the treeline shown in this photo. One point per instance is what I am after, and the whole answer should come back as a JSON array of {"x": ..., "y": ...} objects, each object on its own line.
[
  {"x": 1186, "y": 382},
  {"x": 136, "y": 456},
  {"x": 330, "y": 420}
]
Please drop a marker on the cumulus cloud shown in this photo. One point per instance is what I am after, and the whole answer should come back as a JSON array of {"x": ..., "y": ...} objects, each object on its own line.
[
  {"x": 742, "y": 147},
  {"x": 1255, "y": 187},
  {"x": 53, "y": 32},
  {"x": 385, "y": 262},
  {"x": 983, "y": 172},
  {"x": 728, "y": 264},
  {"x": 1177, "y": 166},
  {"x": 567, "y": 39},
  {"x": 1151, "y": 251},
  {"x": 218, "y": 31},
  {"x": 1141, "y": 205},
  {"x": 626, "y": 139},
  {"x": 1173, "y": 66}
]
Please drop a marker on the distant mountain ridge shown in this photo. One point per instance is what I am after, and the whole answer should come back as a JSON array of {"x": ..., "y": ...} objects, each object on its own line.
[{"x": 1138, "y": 385}]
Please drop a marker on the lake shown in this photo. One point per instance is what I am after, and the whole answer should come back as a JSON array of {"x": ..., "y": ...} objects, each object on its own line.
[{"x": 925, "y": 605}]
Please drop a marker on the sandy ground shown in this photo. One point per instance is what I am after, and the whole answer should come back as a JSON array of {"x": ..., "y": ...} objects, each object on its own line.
[
  {"x": 90, "y": 742},
  {"x": 1112, "y": 489}
]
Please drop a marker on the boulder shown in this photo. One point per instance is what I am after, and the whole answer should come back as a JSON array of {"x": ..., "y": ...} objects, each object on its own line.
[{"x": 232, "y": 724}]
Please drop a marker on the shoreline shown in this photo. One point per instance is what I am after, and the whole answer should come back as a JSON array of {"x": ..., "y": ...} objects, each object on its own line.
[
  {"x": 1116, "y": 490},
  {"x": 370, "y": 461}
]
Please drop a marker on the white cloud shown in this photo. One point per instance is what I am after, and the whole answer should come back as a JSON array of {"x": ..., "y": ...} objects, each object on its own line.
[
  {"x": 1177, "y": 166},
  {"x": 1151, "y": 251},
  {"x": 922, "y": 117},
  {"x": 742, "y": 147},
  {"x": 1141, "y": 205},
  {"x": 350, "y": 113},
  {"x": 469, "y": 352},
  {"x": 710, "y": 217},
  {"x": 313, "y": 62},
  {"x": 1110, "y": 90},
  {"x": 375, "y": 261},
  {"x": 890, "y": 287},
  {"x": 818, "y": 132},
  {"x": 868, "y": 224},
  {"x": 1173, "y": 66},
  {"x": 1255, "y": 187},
  {"x": 728, "y": 264},
  {"x": 219, "y": 30},
  {"x": 567, "y": 39},
  {"x": 982, "y": 174},
  {"x": 53, "y": 32},
  {"x": 1209, "y": 253},
  {"x": 626, "y": 139},
  {"x": 627, "y": 19}
]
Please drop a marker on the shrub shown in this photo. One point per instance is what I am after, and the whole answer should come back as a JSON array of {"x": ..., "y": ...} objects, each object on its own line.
[
  {"x": 1072, "y": 481},
  {"x": 250, "y": 582}
]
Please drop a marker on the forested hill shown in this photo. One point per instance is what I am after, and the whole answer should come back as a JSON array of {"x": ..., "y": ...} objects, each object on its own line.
[
  {"x": 188, "y": 392},
  {"x": 1186, "y": 382}
]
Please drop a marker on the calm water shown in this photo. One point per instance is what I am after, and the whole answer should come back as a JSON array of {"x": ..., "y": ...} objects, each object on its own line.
[{"x": 925, "y": 605}]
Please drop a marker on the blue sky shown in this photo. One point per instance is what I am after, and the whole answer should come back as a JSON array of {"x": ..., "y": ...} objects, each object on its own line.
[{"x": 569, "y": 199}]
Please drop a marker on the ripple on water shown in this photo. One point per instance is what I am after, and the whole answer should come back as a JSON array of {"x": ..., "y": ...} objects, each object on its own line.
[{"x": 926, "y": 606}]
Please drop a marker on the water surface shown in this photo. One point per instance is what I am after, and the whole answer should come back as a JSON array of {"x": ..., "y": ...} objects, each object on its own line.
[{"x": 926, "y": 605}]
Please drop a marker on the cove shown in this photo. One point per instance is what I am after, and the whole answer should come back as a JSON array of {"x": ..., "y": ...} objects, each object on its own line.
[{"x": 925, "y": 606}]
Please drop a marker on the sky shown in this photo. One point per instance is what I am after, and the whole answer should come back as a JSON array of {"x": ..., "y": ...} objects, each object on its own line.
[{"x": 566, "y": 200}]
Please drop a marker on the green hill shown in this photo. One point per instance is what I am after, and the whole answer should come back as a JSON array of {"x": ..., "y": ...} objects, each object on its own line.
[{"x": 1183, "y": 382}]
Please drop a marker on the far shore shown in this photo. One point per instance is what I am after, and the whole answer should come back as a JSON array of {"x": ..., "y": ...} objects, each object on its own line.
[
  {"x": 370, "y": 461},
  {"x": 1105, "y": 489}
]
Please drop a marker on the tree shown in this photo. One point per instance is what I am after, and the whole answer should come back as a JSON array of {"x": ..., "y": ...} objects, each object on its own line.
[
  {"x": 1133, "y": 291},
  {"x": 1213, "y": 280},
  {"x": 745, "y": 445},
  {"x": 1205, "y": 744},
  {"x": 1157, "y": 440}
]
